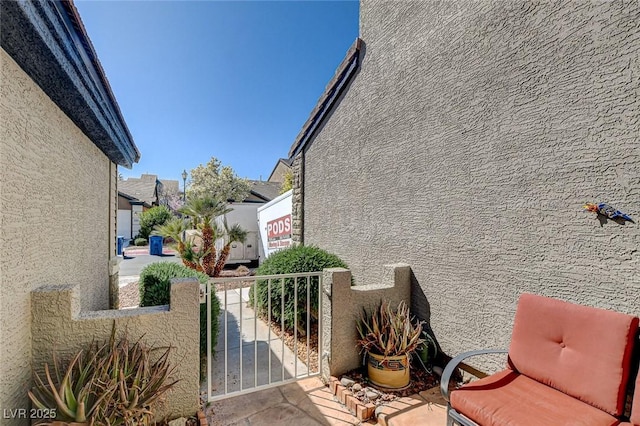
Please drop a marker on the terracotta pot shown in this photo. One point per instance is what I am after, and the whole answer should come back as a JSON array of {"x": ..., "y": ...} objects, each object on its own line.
[{"x": 388, "y": 371}]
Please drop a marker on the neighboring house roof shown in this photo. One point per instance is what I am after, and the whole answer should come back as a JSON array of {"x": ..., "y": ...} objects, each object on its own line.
[
  {"x": 132, "y": 200},
  {"x": 147, "y": 187},
  {"x": 282, "y": 163},
  {"x": 331, "y": 95},
  {"x": 262, "y": 192},
  {"x": 168, "y": 186},
  {"x": 49, "y": 42}
]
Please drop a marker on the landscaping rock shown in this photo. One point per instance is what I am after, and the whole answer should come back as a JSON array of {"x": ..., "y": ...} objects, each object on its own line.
[
  {"x": 357, "y": 387},
  {"x": 371, "y": 394},
  {"x": 347, "y": 382},
  {"x": 178, "y": 422}
]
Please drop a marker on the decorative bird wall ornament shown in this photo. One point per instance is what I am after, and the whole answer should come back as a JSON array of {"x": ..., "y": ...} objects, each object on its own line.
[{"x": 608, "y": 211}]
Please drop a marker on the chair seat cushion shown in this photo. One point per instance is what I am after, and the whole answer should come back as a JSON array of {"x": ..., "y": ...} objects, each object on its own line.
[
  {"x": 509, "y": 398},
  {"x": 635, "y": 405},
  {"x": 582, "y": 351}
]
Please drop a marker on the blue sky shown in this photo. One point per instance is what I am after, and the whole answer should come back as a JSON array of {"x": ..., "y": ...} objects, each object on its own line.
[{"x": 230, "y": 79}]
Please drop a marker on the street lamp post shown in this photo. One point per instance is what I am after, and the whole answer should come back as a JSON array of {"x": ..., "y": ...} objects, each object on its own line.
[
  {"x": 184, "y": 186},
  {"x": 184, "y": 198}
]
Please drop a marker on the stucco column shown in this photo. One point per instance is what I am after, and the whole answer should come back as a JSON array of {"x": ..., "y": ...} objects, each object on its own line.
[
  {"x": 342, "y": 304},
  {"x": 114, "y": 282}
]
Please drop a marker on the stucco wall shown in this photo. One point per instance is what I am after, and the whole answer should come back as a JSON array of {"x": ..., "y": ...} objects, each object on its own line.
[
  {"x": 466, "y": 146},
  {"x": 58, "y": 217},
  {"x": 58, "y": 323},
  {"x": 343, "y": 303}
]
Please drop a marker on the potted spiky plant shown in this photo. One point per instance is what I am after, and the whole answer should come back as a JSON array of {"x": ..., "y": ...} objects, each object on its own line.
[{"x": 389, "y": 337}]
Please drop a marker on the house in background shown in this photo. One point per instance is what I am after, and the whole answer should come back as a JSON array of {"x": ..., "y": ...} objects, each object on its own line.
[
  {"x": 63, "y": 137},
  {"x": 282, "y": 167},
  {"x": 129, "y": 209},
  {"x": 149, "y": 189},
  {"x": 262, "y": 192},
  {"x": 136, "y": 195},
  {"x": 466, "y": 137}
]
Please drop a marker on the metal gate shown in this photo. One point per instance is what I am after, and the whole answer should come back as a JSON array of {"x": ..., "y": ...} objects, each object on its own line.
[{"x": 251, "y": 352}]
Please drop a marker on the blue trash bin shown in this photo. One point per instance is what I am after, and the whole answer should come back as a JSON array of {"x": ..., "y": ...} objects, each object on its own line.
[
  {"x": 155, "y": 245},
  {"x": 119, "y": 245}
]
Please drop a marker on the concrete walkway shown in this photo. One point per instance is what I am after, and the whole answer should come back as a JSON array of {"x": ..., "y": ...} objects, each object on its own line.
[
  {"x": 249, "y": 339},
  {"x": 309, "y": 402}
]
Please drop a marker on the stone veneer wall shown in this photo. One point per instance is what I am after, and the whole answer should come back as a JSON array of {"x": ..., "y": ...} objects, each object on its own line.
[
  {"x": 297, "y": 208},
  {"x": 59, "y": 323},
  {"x": 466, "y": 146},
  {"x": 57, "y": 208}
]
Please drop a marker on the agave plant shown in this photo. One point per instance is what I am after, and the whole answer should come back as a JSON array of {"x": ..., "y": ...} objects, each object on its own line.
[
  {"x": 77, "y": 396},
  {"x": 110, "y": 384},
  {"x": 389, "y": 332},
  {"x": 139, "y": 382}
]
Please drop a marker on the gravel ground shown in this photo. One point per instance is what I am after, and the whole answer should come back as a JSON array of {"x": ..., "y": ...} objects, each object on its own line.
[
  {"x": 420, "y": 380},
  {"x": 129, "y": 294}
]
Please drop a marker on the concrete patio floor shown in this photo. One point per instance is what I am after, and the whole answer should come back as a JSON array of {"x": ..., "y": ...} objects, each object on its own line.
[{"x": 309, "y": 402}]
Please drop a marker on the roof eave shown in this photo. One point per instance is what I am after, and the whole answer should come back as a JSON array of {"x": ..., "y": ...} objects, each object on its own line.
[
  {"x": 338, "y": 84},
  {"x": 49, "y": 42}
]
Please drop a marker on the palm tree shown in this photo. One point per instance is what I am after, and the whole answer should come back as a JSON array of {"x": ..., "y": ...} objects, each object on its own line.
[
  {"x": 206, "y": 210},
  {"x": 233, "y": 234},
  {"x": 175, "y": 229}
]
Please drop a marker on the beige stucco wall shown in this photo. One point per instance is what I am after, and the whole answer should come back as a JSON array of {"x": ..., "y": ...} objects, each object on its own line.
[
  {"x": 343, "y": 303},
  {"x": 59, "y": 323},
  {"x": 58, "y": 217},
  {"x": 466, "y": 146}
]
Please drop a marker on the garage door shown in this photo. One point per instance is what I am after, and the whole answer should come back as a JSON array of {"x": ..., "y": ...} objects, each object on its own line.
[{"x": 124, "y": 223}]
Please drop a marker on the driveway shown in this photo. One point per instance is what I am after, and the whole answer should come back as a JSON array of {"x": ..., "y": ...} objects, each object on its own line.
[{"x": 132, "y": 264}]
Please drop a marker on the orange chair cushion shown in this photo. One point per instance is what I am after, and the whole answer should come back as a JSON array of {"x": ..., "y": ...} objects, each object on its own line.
[
  {"x": 582, "y": 351},
  {"x": 635, "y": 405},
  {"x": 509, "y": 398}
]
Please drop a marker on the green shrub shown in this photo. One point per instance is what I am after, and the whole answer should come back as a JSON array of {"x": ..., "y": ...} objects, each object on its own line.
[
  {"x": 140, "y": 242},
  {"x": 158, "y": 215},
  {"x": 154, "y": 290},
  {"x": 292, "y": 260}
]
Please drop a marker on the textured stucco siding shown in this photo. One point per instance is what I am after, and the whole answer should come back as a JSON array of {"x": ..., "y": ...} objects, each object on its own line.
[
  {"x": 466, "y": 146},
  {"x": 59, "y": 323},
  {"x": 57, "y": 226}
]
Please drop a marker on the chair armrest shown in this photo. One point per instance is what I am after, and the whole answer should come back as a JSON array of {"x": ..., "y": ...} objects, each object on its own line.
[{"x": 453, "y": 364}]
